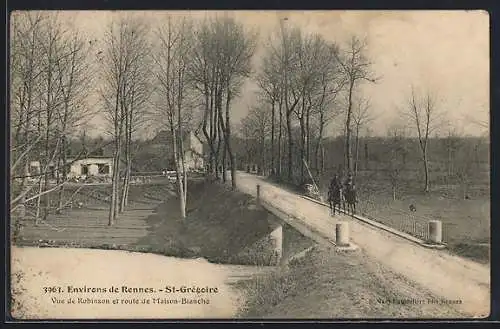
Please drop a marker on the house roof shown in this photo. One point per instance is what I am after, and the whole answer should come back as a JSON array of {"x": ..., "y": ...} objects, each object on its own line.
[
  {"x": 164, "y": 136},
  {"x": 93, "y": 157}
]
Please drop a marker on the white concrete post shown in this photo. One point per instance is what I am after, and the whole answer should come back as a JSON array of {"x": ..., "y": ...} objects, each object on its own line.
[
  {"x": 277, "y": 243},
  {"x": 435, "y": 231},
  {"x": 342, "y": 233}
]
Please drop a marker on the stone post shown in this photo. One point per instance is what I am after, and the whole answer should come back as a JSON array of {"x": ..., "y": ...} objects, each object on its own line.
[
  {"x": 435, "y": 231},
  {"x": 276, "y": 238},
  {"x": 342, "y": 234}
]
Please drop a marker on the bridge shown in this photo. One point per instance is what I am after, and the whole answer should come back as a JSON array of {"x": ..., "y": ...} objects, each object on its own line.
[{"x": 448, "y": 276}]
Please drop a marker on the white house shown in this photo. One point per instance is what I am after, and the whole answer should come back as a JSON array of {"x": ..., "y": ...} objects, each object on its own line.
[
  {"x": 192, "y": 147},
  {"x": 193, "y": 152},
  {"x": 91, "y": 166}
]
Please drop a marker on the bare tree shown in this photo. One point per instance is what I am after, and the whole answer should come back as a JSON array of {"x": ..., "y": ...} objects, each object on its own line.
[
  {"x": 356, "y": 68},
  {"x": 238, "y": 49},
  {"x": 223, "y": 53},
  {"x": 49, "y": 76},
  {"x": 255, "y": 127},
  {"x": 360, "y": 117},
  {"x": 324, "y": 101},
  {"x": 204, "y": 75},
  {"x": 137, "y": 97},
  {"x": 25, "y": 72},
  {"x": 171, "y": 59},
  {"x": 396, "y": 147},
  {"x": 291, "y": 95},
  {"x": 424, "y": 116},
  {"x": 126, "y": 49},
  {"x": 75, "y": 75},
  {"x": 269, "y": 82}
]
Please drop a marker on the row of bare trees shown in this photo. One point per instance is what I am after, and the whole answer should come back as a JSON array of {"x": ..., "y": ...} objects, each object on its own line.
[
  {"x": 125, "y": 89},
  {"x": 222, "y": 60},
  {"x": 305, "y": 82},
  {"x": 50, "y": 76},
  {"x": 191, "y": 65},
  {"x": 458, "y": 153}
]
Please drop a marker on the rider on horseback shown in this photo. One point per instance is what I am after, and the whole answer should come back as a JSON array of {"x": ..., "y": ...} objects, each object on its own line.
[
  {"x": 350, "y": 193},
  {"x": 333, "y": 193}
]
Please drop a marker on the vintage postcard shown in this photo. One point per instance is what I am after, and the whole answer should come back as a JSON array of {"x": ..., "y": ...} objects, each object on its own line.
[{"x": 249, "y": 164}]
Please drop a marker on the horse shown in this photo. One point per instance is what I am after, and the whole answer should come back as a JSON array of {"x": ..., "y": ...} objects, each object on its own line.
[
  {"x": 335, "y": 198},
  {"x": 350, "y": 199}
]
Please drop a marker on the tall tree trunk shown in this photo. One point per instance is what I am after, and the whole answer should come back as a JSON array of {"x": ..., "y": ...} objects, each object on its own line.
[
  {"x": 273, "y": 165},
  {"x": 224, "y": 162},
  {"x": 227, "y": 138},
  {"x": 127, "y": 144},
  {"x": 356, "y": 151},
  {"x": 263, "y": 164},
  {"x": 220, "y": 141},
  {"x": 128, "y": 171},
  {"x": 115, "y": 194},
  {"x": 426, "y": 169},
  {"x": 46, "y": 175},
  {"x": 319, "y": 146},
  {"x": 180, "y": 190},
  {"x": 39, "y": 199},
  {"x": 308, "y": 135},
  {"x": 280, "y": 139},
  {"x": 206, "y": 132},
  {"x": 302, "y": 139},
  {"x": 64, "y": 172},
  {"x": 60, "y": 164},
  {"x": 290, "y": 146},
  {"x": 348, "y": 129},
  {"x": 302, "y": 148},
  {"x": 116, "y": 163},
  {"x": 322, "y": 158},
  {"x": 181, "y": 144}
]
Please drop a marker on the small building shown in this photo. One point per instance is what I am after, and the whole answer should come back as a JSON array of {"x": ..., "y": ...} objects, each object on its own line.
[
  {"x": 90, "y": 166},
  {"x": 192, "y": 147}
]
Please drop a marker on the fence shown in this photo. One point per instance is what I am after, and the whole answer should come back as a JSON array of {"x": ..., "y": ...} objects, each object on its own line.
[{"x": 404, "y": 221}]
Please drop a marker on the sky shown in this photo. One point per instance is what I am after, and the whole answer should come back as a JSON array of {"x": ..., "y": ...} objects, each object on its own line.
[{"x": 445, "y": 52}]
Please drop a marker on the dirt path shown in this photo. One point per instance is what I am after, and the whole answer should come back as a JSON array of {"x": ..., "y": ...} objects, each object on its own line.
[
  {"x": 449, "y": 277},
  {"x": 46, "y": 267}
]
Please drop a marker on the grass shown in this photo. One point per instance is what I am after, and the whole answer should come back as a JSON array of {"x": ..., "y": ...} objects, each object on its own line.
[
  {"x": 327, "y": 284},
  {"x": 222, "y": 226},
  {"x": 466, "y": 223}
]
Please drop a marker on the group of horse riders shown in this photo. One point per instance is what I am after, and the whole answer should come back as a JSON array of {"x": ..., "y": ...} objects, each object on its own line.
[{"x": 342, "y": 193}]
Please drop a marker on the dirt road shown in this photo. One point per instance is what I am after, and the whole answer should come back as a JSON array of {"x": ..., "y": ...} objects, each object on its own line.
[
  {"x": 452, "y": 279},
  {"x": 78, "y": 268}
]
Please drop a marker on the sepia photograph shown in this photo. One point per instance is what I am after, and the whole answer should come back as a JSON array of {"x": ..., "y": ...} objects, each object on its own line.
[{"x": 201, "y": 164}]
